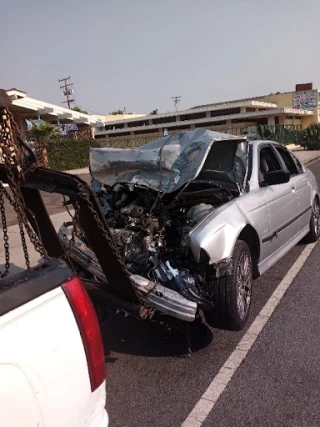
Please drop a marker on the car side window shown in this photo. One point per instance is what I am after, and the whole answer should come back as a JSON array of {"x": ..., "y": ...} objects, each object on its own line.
[
  {"x": 298, "y": 163},
  {"x": 288, "y": 160},
  {"x": 268, "y": 162}
]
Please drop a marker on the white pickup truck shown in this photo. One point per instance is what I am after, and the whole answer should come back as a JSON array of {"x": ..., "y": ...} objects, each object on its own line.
[{"x": 52, "y": 368}]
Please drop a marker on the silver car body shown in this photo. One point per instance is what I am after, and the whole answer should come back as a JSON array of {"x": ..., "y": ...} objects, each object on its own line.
[
  {"x": 279, "y": 214},
  {"x": 272, "y": 218}
]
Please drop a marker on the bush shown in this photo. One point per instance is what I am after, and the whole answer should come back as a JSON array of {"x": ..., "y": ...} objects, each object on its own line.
[
  {"x": 310, "y": 137},
  {"x": 66, "y": 153},
  {"x": 280, "y": 134}
]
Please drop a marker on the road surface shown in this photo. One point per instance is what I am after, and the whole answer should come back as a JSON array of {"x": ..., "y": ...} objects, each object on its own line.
[{"x": 151, "y": 380}]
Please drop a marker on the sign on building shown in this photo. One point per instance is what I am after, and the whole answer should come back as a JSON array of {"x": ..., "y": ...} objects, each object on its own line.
[{"x": 306, "y": 100}]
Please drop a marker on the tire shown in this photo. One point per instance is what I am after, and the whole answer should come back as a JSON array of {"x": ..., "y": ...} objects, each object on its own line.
[
  {"x": 314, "y": 232},
  {"x": 231, "y": 308}
]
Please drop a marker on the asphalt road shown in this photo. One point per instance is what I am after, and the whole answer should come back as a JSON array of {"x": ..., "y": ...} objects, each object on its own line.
[{"x": 152, "y": 381}]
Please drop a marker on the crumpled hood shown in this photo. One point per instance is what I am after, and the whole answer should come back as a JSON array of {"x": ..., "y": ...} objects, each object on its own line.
[{"x": 165, "y": 164}]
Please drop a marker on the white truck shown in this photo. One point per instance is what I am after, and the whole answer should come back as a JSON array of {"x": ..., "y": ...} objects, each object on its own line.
[{"x": 52, "y": 367}]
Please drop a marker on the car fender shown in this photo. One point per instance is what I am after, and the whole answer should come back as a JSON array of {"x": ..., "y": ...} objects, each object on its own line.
[
  {"x": 314, "y": 185},
  {"x": 217, "y": 233}
]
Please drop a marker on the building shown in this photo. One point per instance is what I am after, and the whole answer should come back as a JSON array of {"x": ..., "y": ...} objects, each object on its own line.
[
  {"x": 25, "y": 108},
  {"x": 117, "y": 117},
  {"x": 296, "y": 109}
]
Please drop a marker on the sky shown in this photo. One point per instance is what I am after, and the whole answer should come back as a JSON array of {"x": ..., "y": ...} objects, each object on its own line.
[{"x": 138, "y": 54}]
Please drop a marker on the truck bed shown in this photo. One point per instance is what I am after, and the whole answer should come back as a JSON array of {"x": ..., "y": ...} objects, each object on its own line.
[
  {"x": 30, "y": 284},
  {"x": 44, "y": 378}
]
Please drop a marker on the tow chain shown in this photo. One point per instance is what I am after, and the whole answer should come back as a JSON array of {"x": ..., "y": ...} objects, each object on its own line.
[
  {"x": 5, "y": 236},
  {"x": 13, "y": 157},
  {"x": 20, "y": 224}
]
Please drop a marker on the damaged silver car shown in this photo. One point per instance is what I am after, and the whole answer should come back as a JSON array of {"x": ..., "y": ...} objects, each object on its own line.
[{"x": 197, "y": 216}]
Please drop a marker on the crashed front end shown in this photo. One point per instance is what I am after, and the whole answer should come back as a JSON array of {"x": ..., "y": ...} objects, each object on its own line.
[{"x": 153, "y": 200}]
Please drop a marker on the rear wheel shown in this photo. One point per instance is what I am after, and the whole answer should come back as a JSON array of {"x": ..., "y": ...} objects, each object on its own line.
[
  {"x": 232, "y": 293},
  {"x": 314, "y": 232}
]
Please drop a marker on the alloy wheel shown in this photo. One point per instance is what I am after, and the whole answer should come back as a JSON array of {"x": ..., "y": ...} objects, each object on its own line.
[{"x": 244, "y": 284}]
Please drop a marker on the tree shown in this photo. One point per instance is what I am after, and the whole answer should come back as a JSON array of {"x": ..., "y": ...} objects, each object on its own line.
[
  {"x": 79, "y": 110},
  {"x": 116, "y": 112},
  {"x": 42, "y": 132}
]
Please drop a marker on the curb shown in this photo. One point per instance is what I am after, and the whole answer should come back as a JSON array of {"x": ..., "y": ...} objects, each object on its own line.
[{"x": 307, "y": 162}]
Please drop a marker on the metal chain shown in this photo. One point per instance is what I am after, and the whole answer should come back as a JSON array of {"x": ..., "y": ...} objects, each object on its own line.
[
  {"x": 12, "y": 156},
  {"x": 5, "y": 236},
  {"x": 23, "y": 221}
]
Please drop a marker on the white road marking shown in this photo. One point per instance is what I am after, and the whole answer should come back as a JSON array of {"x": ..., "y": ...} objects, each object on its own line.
[{"x": 210, "y": 397}]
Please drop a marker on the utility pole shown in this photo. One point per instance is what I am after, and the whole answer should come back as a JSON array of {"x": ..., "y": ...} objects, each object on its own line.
[
  {"x": 176, "y": 100},
  {"x": 68, "y": 90}
]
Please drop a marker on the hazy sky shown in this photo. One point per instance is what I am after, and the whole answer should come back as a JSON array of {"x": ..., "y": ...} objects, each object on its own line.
[{"x": 140, "y": 53}]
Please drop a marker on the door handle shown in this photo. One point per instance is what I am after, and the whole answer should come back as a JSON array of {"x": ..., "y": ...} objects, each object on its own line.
[{"x": 293, "y": 189}]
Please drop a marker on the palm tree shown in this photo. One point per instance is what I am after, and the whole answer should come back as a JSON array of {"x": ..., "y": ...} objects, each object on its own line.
[{"x": 42, "y": 132}]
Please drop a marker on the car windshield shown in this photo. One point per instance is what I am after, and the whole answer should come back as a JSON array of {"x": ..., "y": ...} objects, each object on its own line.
[{"x": 226, "y": 164}]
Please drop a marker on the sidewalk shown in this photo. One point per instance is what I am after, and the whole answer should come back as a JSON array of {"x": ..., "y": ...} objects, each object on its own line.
[{"x": 306, "y": 156}]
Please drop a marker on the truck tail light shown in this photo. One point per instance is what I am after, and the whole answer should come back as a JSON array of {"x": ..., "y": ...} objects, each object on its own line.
[{"x": 89, "y": 328}]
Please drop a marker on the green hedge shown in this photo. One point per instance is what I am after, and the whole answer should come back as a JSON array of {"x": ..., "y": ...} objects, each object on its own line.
[
  {"x": 310, "y": 137},
  {"x": 65, "y": 153},
  {"x": 279, "y": 133}
]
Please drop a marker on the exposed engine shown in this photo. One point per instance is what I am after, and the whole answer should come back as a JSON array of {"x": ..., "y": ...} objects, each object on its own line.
[
  {"x": 152, "y": 232},
  {"x": 153, "y": 198}
]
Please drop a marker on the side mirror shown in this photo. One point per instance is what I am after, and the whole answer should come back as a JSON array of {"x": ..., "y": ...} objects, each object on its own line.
[{"x": 277, "y": 177}]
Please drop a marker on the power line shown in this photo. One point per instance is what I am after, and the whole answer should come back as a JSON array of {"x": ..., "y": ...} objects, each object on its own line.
[
  {"x": 68, "y": 90},
  {"x": 176, "y": 100}
]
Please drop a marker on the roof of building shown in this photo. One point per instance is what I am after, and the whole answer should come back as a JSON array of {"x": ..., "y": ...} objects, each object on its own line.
[
  {"x": 253, "y": 98},
  {"x": 31, "y": 107},
  {"x": 117, "y": 117},
  {"x": 13, "y": 89}
]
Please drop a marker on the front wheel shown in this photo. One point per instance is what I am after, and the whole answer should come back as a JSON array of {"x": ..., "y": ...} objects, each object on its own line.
[
  {"x": 314, "y": 232},
  {"x": 232, "y": 293}
]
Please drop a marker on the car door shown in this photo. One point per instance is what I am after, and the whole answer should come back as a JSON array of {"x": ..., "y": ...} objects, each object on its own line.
[
  {"x": 282, "y": 202},
  {"x": 301, "y": 183}
]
